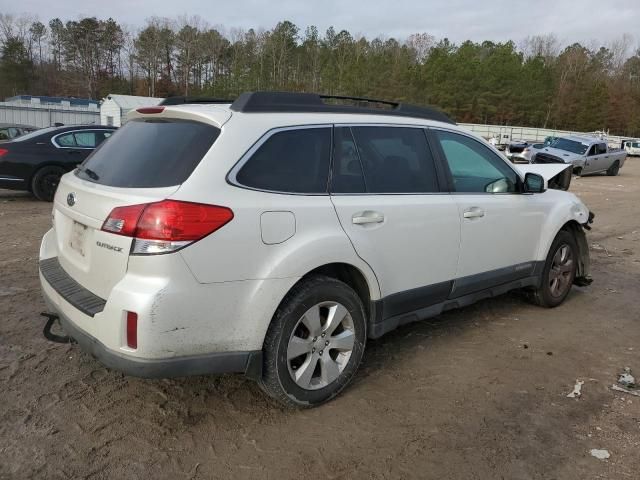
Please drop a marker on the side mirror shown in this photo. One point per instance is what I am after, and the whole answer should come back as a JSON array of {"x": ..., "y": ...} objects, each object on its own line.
[{"x": 533, "y": 183}]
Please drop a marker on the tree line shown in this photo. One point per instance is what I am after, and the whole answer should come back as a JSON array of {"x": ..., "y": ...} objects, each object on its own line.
[{"x": 537, "y": 83}]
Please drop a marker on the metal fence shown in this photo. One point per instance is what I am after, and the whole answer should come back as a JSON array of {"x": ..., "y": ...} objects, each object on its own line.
[{"x": 46, "y": 116}]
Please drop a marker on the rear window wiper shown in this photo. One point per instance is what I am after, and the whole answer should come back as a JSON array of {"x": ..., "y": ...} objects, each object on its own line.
[{"x": 90, "y": 173}]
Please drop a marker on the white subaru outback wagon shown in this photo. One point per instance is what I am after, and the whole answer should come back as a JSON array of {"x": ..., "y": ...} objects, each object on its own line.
[{"x": 274, "y": 235}]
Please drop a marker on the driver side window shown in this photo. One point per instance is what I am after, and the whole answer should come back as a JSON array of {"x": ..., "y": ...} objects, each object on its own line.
[{"x": 474, "y": 167}]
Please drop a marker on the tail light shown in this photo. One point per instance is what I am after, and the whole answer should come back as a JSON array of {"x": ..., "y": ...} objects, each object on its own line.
[
  {"x": 166, "y": 226},
  {"x": 3, "y": 152}
]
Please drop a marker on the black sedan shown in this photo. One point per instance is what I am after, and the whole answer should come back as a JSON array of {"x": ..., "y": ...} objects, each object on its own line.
[{"x": 36, "y": 161}]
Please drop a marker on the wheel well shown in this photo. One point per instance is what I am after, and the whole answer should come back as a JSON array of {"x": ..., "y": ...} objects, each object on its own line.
[
  {"x": 351, "y": 276},
  {"x": 39, "y": 167},
  {"x": 584, "y": 264}
]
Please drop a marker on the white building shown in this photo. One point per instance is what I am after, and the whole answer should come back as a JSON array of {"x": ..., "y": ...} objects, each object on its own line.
[{"x": 114, "y": 108}]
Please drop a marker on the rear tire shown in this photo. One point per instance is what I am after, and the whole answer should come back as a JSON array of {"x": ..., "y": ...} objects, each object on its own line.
[
  {"x": 314, "y": 344},
  {"x": 45, "y": 182},
  {"x": 614, "y": 169},
  {"x": 558, "y": 273}
]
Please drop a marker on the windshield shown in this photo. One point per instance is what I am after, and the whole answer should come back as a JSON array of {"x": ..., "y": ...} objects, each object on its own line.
[
  {"x": 635, "y": 144},
  {"x": 569, "y": 145},
  {"x": 148, "y": 153}
]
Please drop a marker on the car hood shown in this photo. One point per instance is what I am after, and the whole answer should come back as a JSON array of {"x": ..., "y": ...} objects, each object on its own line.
[
  {"x": 556, "y": 175},
  {"x": 563, "y": 155}
]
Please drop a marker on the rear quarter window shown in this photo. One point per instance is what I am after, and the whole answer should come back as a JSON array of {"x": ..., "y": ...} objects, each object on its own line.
[
  {"x": 292, "y": 161},
  {"x": 149, "y": 153},
  {"x": 67, "y": 140}
]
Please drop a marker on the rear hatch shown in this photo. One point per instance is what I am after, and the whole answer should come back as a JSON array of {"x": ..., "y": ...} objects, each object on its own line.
[{"x": 144, "y": 162}]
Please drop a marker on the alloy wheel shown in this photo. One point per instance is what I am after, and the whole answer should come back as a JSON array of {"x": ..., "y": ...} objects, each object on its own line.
[
  {"x": 320, "y": 346},
  {"x": 561, "y": 271}
]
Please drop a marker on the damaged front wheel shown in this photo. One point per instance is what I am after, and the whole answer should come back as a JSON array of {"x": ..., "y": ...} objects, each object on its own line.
[{"x": 559, "y": 271}]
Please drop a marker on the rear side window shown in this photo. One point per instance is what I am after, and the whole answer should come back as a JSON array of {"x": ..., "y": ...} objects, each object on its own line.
[
  {"x": 86, "y": 139},
  {"x": 395, "y": 160},
  {"x": 148, "y": 153},
  {"x": 294, "y": 161}
]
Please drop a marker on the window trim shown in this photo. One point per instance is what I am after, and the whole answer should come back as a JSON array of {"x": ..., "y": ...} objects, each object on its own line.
[
  {"x": 441, "y": 179},
  {"x": 232, "y": 176},
  {"x": 55, "y": 144},
  {"x": 445, "y": 165}
]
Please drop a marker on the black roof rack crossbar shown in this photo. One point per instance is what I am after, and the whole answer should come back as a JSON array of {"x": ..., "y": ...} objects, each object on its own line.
[
  {"x": 282, "y": 102},
  {"x": 179, "y": 100},
  {"x": 360, "y": 99}
]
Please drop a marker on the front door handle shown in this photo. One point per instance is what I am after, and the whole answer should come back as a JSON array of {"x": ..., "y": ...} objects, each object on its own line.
[
  {"x": 473, "y": 212},
  {"x": 363, "y": 218}
]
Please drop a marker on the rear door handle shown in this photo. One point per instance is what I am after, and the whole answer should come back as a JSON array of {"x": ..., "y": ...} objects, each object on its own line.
[
  {"x": 473, "y": 212},
  {"x": 363, "y": 218}
]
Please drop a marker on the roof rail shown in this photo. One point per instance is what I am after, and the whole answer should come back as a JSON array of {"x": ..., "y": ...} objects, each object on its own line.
[
  {"x": 178, "y": 100},
  {"x": 257, "y": 102}
]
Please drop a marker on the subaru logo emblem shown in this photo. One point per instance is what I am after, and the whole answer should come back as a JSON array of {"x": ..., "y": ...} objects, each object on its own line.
[{"x": 71, "y": 199}]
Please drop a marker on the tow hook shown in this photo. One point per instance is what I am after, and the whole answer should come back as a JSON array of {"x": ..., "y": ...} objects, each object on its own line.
[{"x": 48, "y": 334}]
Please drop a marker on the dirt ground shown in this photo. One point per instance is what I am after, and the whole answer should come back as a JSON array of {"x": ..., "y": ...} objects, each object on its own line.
[{"x": 476, "y": 393}]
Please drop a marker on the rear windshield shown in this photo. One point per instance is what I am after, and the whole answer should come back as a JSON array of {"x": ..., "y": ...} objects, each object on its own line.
[{"x": 147, "y": 153}]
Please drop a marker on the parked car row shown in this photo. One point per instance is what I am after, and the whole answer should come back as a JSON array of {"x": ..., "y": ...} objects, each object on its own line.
[{"x": 278, "y": 245}]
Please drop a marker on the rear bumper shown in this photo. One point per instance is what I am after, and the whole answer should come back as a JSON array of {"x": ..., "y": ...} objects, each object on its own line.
[{"x": 249, "y": 362}]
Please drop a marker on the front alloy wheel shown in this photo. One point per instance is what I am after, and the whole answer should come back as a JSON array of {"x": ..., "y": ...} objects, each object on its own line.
[
  {"x": 559, "y": 271},
  {"x": 562, "y": 268}
]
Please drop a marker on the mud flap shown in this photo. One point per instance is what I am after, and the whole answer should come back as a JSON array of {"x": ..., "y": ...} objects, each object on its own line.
[
  {"x": 49, "y": 335},
  {"x": 583, "y": 274}
]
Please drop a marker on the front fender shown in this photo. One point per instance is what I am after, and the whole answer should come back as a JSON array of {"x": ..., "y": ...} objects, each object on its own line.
[
  {"x": 562, "y": 212},
  {"x": 574, "y": 216}
]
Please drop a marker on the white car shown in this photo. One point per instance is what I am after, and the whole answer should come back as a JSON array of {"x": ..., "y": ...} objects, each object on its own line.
[
  {"x": 632, "y": 148},
  {"x": 273, "y": 236}
]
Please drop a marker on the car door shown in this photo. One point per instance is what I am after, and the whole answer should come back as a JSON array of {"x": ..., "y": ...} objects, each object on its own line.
[
  {"x": 385, "y": 189},
  {"x": 499, "y": 227},
  {"x": 603, "y": 158},
  {"x": 592, "y": 160},
  {"x": 67, "y": 150},
  {"x": 87, "y": 141}
]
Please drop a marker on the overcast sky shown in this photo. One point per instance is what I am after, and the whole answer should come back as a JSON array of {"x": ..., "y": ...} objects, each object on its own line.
[{"x": 578, "y": 20}]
